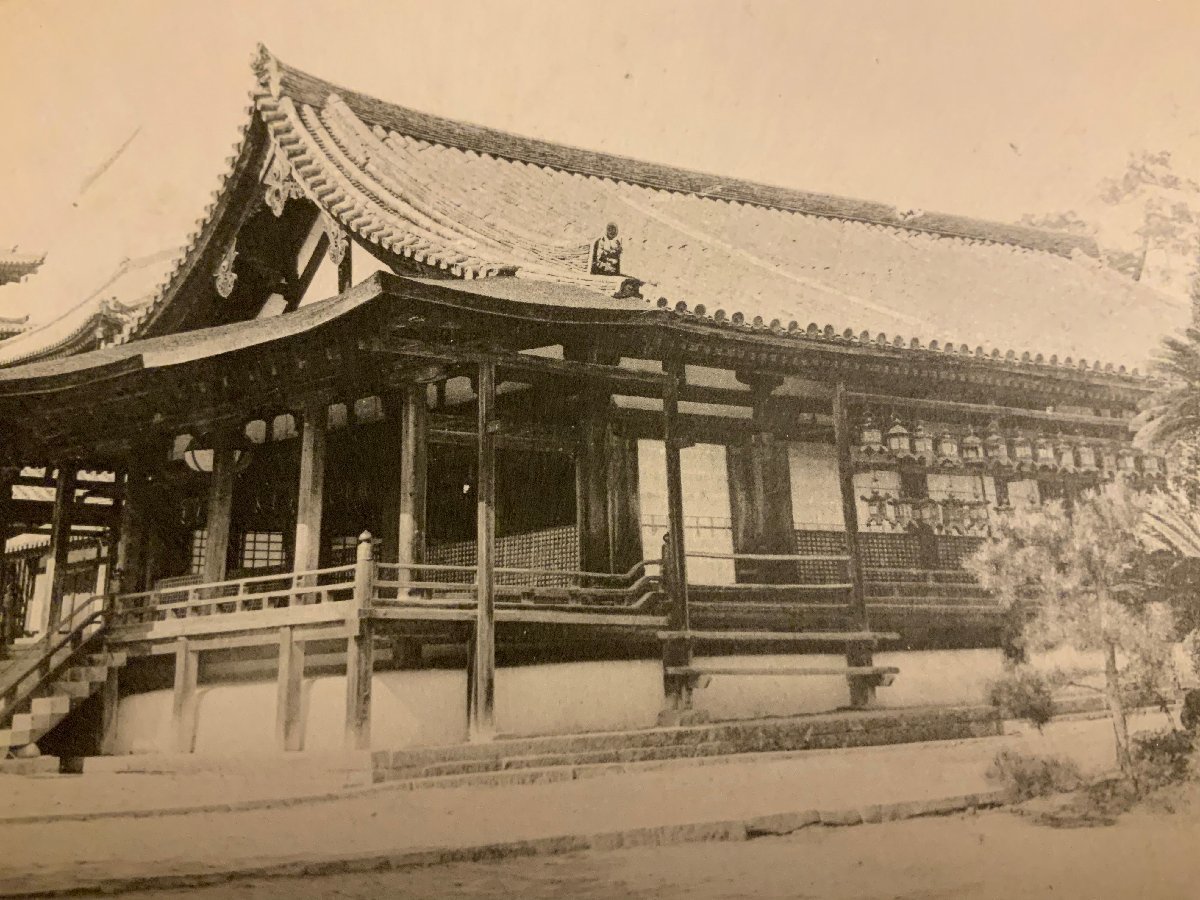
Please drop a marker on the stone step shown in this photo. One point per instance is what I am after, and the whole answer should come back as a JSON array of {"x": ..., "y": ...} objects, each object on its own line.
[
  {"x": 48, "y": 706},
  {"x": 88, "y": 673},
  {"x": 76, "y": 690},
  {"x": 846, "y": 729}
]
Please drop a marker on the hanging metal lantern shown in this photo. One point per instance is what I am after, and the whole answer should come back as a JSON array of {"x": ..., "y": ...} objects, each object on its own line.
[
  {"x": 1066, "y": 454},
  {"x": 1151, "y": 465},
  {"x": 1127, "y": 462},
  {"x": 1022, "y": 450},
  {"x": 898, "y": 442},
  {"x": 947, "y": 447},
  {"x": 1045, "y": 453},
  {"x": 871, "y": 437},
  {"x": 995, "y": 447},
  {"x": 1108, "y": 459},
  {"x": 1087, "y": 457},
  {"x": 877, "y": 509},
  {"x": 922, "y": 443},
  {"x": 972, "y": 447}
]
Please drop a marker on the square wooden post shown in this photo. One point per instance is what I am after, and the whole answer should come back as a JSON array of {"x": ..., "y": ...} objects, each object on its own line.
[
  {"x": 481, "y": 724},
  {"x": 310, "y": 499},
  {"x": 220, "y": 507},
  {"x": 110, "y": 696},
  {"x": 677, "y": 650},
  {"x": 289, "y": 731},
  {"x": 360, "y": 649},
  {"x": 858, "y": 654},
  {"x": 183, "y": 702},
  {"x": 60, "y": 541},
  {"x": 414, "y": 465}
]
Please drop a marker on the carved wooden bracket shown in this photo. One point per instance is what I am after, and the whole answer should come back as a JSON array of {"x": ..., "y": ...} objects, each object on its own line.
[
  {"x": 225, "y": 277},
  {"x": 338, "y": 242},
  {"x": 279, "y": 185}
]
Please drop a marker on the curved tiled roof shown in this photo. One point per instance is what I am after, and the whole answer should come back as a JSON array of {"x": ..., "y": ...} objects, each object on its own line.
[
  {"x": 14, "y": 266},
  {"x": 473, "y": 203},
  {"x": 104, "y": 313}
]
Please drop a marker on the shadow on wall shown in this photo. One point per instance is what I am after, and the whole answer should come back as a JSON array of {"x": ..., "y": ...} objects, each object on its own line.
[{"x": 428, "y": 707}]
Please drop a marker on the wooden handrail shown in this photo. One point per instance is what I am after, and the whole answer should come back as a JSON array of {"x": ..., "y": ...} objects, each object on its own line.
[{"x": 14, "y": 695}]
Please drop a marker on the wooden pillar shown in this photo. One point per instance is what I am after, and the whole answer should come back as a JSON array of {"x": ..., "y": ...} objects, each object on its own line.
[
  {"x": 858, "y": 654},
  {"x": 481, "y": 690},
  {"x": 8, "y": 593},
  {"x": 110, "y": 695},
  {"x": 183, "y": 703},
  {"x": 592, "y": 487},
  {"x": 360, "y": 649},
  {"x": 220, "y": 507},
  {"x": 624, "y": 508},
  {"x": 60, "y": 541},
  {"x": 289, "y": 730},
  {"x": 129, "y": 574},
  {"x": 414, "y": 466},
  {"x": 677, "y": 650},
  {"x": 310, "y": 500}
]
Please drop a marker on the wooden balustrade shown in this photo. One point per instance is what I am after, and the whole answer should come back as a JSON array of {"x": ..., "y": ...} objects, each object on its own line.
[{"x": 250, "y": 594}]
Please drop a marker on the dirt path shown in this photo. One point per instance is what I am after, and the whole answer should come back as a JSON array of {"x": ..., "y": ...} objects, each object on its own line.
[{"x": 990, "y": 856}]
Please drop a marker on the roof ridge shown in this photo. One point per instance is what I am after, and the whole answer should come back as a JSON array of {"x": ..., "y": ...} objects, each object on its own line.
[{"x": 281, "y": 79}]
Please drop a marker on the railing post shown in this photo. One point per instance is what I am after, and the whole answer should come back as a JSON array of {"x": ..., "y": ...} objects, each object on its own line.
[{"x": 360, "y": 649}]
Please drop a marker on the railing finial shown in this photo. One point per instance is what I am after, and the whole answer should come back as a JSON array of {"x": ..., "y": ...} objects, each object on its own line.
[{"x": 366, "y": 548}]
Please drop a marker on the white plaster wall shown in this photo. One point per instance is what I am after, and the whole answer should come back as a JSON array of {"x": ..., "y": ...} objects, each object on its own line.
[{"x": 428, "y": 707}]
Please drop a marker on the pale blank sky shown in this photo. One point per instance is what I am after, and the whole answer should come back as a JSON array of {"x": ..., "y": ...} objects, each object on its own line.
[{"x": 971, "y": 107}]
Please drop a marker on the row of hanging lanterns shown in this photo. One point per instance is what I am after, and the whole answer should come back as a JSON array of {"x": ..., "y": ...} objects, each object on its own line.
[
  {"x": 996, "y": 448},
  {"x": 952, "y": 514}
]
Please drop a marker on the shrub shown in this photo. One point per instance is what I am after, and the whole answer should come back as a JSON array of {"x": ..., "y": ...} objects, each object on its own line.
[
  {"x": 1023, "y": 693},
  {"x": 1162, "y": 758},
  {"x": 1027, "y": 776}
]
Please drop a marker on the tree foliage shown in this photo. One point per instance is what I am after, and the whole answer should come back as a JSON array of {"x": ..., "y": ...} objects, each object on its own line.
[{"x": 1085, "y": 579}]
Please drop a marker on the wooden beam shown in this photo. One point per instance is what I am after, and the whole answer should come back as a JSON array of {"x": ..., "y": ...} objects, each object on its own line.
[
  {"x": 481, "y": 722},
  {"x": 60, "y": 540},
  {"x": 858, "y": 654},
  {"x": 289, "y": 726},
  {"x": 183, "y": 699},
  {"x": 310, "y": 499},
  {"x": 986, "y": 411},
  {"x": 220, "y": 506},
  {"x": 414, "y": 465}
]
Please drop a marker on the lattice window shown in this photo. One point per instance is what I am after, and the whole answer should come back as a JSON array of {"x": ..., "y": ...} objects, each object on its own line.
[
  {"x": 821, "y": 543},
  {"x": 343, "y": 550},
  {"x": 546, "y": 548},
  {"x": 890, "y": 551},
  {"x": 198, "y": 551},
  {"x": 954, "y": 550},
  {"x": 261, "y": 549}
]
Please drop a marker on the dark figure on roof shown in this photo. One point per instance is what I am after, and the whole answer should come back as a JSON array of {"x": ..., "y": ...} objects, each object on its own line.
[{"x": 606, "y": 253}]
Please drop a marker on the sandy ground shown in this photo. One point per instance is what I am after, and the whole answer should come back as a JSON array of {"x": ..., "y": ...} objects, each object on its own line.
[
  {"x": 990, "y": 856},
  {"x": 74, "y": 854}
]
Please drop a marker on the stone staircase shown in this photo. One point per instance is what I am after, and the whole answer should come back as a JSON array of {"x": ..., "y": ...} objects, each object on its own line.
[
  {"x": 80, "y": 678},
  {"x": 811, "y": 732}
]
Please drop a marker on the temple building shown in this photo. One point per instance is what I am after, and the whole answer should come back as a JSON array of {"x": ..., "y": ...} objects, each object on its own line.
[{"x": 416, "y": 384}]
